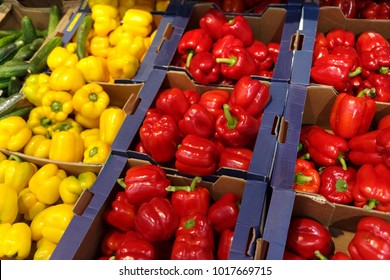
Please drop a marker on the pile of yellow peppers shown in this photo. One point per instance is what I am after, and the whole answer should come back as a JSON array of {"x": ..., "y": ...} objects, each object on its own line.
[{"x": 36, "y": 206}]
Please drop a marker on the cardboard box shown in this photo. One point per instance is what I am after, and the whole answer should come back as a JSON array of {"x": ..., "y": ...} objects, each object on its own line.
[
  {"x": 276, "y": 24},
  {"x": 83, "y": 237},
  {"x": 159, "y": 79}
]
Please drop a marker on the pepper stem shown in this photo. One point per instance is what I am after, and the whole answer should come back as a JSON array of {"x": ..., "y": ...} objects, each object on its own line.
[
  {"x": 93, "y": 97},
  {"x": 305, "y": 156},
  {"x": 231, "y": 121},
  {"x": 367, "y": 91},
  {"x": 189, "y": 188},
  {"x": 356, "y": 72},
  {"x": 341, "y": 185},
  {"x": 301, "y": 179},
  {"x": 93, "y": 152},
  {"x": 319, "y": 255},
  {"x": 342, "y": 161},
  {"x": 383, "y": 70},
  {"x": 121, "y": 182},
  {"x": 15, "y": 158},
  {"x": 371, "y": 204},
  {"x": 190, "y": 55},
  {"x": 190, "y": 223},
  {"x": 229, "y": 60}
]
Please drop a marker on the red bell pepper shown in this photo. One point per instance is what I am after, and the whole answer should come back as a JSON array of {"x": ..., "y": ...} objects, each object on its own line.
[
  {"x": 340, "y": 37},
  {"x": 351, "y": 115},
  {"x": 337, "y": 184},
  {"x": 239, "y": 27},
  {"x": 236, "y": 158},
  {"x": 198, "y": 225},
  {"x": 372, "y": 188},
  {"x": 363, "y": 149},
  {"x": 192, "y": 42},
  {"x": 197, "y": 121},
  {"x": 325, "y": 148},
  {"x": 273, "y": 50},
  {"x": 111, "y": 241},
  {"x": 376, "y": 11},
  {"x": 173, "y": 102},
  {"x": 340, "y": 256},
  {"x": 287, "y": 255},
  {"x": 348, "y": 52},
  {"x": 371, "y": 240},
  {"x": 121, "y": 214},
  {"x": 142, "y": 183},
  {"x": 379, "y": 84},
  {"x": 306, "y": 236},
  {"x": 383, "y": 145},
  {"x": 376, "y": 60},
  {"x": 160, "y": 136},
  {"x": 251, "y": 94},
  {"x": 236, "y": 127},
  {"x": 191, "y": 199},
  {"x": 192, "y": 96},
  {"x": 156, "y": 220},
  {"x": 196, "y": 156},
  {"x": 236, "y": 63},
  {"x": 213, "y": 101},
  {"x": 212, "y": 22},
  {"x": 368, "y": 40},
  {"x": 233, "y": 6},
  {"x": 384, "y": 122},
  {"x": 133, "y": 247},
  {"x": 224, "y": 244},
  {"x": 223, "y": 213},
  {"x": 264, "y": 4},
  {"x": 320, "y": 46},
  {"x": 306, "y": 177},
  {"x": 204, "y": 68},
  {"x": 334, "y": 70},
  {"x": 348, "y": 7},
  {"x": 259, "y": 52},
  {"x": 225, "y": 43}
]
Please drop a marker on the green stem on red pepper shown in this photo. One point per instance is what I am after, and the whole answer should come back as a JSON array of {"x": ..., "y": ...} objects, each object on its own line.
[
  {"x": 231, "y": 121},
  {"x": 187, "y": 188},
  {"x": 301, "y": 179},
  {"x": 231, "y": 61},
  {"x": 371, "y": 204}
]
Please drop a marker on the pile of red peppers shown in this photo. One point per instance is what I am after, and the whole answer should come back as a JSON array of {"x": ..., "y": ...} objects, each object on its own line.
[
  {"x": 223, "y": 50},
  {"x": 152, "y": 219},
  {"x": 353, "y": 64},
  {"x": 308, "y": 239},
  {"x": 199, "y": 133},
  {"x": 361, "y": 9},
  {"x": 242, "y": 6}
]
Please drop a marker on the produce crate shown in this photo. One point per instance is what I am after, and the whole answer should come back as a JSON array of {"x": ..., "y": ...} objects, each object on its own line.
[
  {"x": 276, "y": 24},
  {"x": 263, "y": 153},
  {"x": 83, "y": 237}
]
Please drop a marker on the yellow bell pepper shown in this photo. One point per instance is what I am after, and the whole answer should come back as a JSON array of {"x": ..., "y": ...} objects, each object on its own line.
[
  {"x": 68, "y": 124},
  {"x": 105, "y": 19},
  {"x": 134, "y": 46},
  {"x": 162, "y": 5},
  {"x": 111, "y": 121},
  {"x": 98, "y": 64},
  {"x": 61, "y": 56},
  {"x": 2, "y": 157},
  {"x": 45, "y": 249},
  {"x": 124, "y": 5},
  {"x": 14, "y": 133},
  {"x": 85, "y": 121},
  {"x": 16, "y": 173},
  {"x": 39, "y": 120},
  {"x": 36, "y": 85},
  {"x": 113, "y": 3},
  {"x": 91, "y": 100},
  {"x": 66, "y": 78},
  {"x": 97, "y": 152},
  {"x": 52, "y": 222},
  {"x": 45, "y": 183},
  {"x": 117, "y": 35},
  {"x": 89, "y": 135},
  {"x": 122, "y": 66},
  {"x": 15, "y": 240},
  {"x": 138, "y": 21},
  {"x": 38, "y": 146},
  {"x": 8, "y": 204},
  {"x": 72, "y": 187},
  {"x": 29, "y": 205},
  {"x": 71, "y": 47},
  {"x": 60, "y": 104},
  {"x": 66, "y": 146},
  {"x": 100, "y": 46}
]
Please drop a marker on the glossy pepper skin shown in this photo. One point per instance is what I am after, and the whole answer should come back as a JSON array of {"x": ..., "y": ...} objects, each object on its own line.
[
  {"x": 348, "y": 7},
  {"x": 71, "y": 187},
  {"x": 376, "y": 60},
  {"x": 351, "y": 115},
  {"x": 236, "y": 63},
  {"x": 239, "y": 27},
  {"x": 111, "y": 241},
  {"x": 224, "y": 244},
  {"x": 66, "y": 78},
  {"x": 368, "y": 40},
  {"x": 371, "y": 240},
  {"x": 90, "y": 100},
  {"x": 190, "y": 199},
  {"x": 133, "y": 248},
  {"x": 14, "y": 133},
  {"x": 340, "y": 37},
  {"x": 337, "y": 184},
  {"x": 213, "y": 101},
  {"x": 196, "y": 156},
  {"x": 138, "y": 21},
  {"x": 197, "y": 120},
  {"x": 173, "y": 102},
  {"x": 383, "y": 146},
  {"x": 378, "y": 84},
  {"x": 72, "y": 141},
  {"x": 363, "y": 149},
  {"x": 261, "y": 55},
  {"x": 236, "y": 127},
  {"x": 8, "y": 204},
  {"x": 36, "y": 85},
  {"x": 324, "y": 148},
  {"x": 251, "y": 94},
  {"x": 15, "y": 240},
  {"x": 236, "y": 158},
  {"x": 159, "y": 136},
  {"x": 156, "y": 220},
  {"x": 97, "y": 152},
  {"x": 372, "y": 188},
  {"x": 45, "y": 249},
  {"x": 99, "y": 64},
  {"x": 204, "y": 68},
  {"x": 29, "y": 205},
  {"x": 110, "y": 122},
  {"x": 142, "y": 183},
  {"x": 193, "y": 42},
  {"x": 194, "y": 239},
  {"x": 225, "y": 43},
  {"x": 121, "y": 214},
  {"x": 306, "y": 177},
  {"x": 376, "y": 11},
  {"x": 223, "y": 213},
  {"x": 212, "y": 21},
  {"x": 306, "y": 236}
]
